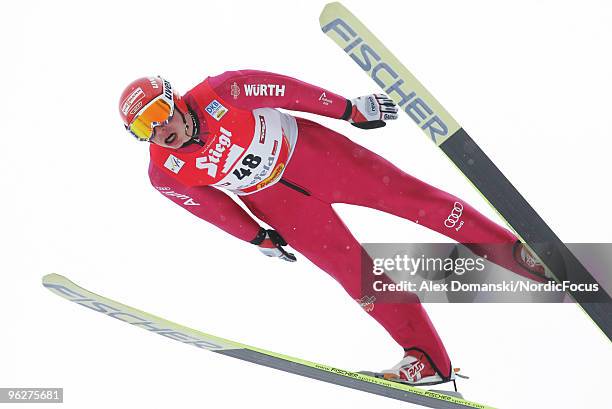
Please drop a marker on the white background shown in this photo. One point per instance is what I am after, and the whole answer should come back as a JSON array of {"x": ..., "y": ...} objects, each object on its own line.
[{"x": 530, "y": 81}]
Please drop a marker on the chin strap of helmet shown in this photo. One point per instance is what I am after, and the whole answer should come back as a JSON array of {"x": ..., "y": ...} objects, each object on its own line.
[{"x": 195, "y": 135}]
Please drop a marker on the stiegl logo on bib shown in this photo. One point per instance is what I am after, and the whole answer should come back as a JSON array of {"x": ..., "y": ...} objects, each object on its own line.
[{"x": 215, "y": 154}]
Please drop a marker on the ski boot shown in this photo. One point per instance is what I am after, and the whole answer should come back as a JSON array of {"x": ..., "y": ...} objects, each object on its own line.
[
  {"x": 416, "y": 369},
  {"x": 528, "y": 261}
]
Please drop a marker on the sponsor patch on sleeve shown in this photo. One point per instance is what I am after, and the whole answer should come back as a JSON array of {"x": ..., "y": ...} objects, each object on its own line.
[{"x": 216, "y": 110}]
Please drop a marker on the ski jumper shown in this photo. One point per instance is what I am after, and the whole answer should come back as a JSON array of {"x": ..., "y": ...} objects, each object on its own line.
[{"x": 288, "y": 171}]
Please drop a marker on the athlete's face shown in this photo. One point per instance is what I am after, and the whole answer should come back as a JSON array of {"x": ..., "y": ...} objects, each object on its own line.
[{"x": 173, "y": 134}]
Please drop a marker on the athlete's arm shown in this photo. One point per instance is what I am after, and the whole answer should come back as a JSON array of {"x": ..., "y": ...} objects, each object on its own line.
[
  {"x": 251, "y": 89},
  {"x": 207, "y": 203}
]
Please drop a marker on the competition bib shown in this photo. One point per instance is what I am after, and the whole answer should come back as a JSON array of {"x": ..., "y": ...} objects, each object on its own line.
[{"x": 246, "y": 151}]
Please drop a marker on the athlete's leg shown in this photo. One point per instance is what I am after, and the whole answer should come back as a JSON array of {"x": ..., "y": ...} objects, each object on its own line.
[
  {"x": 355, "y": 175},
  {"x": 311, "y": 227}
]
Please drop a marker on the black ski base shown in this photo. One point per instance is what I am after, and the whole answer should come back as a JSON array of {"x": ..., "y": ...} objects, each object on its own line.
[{"x": 513, "y": 207}]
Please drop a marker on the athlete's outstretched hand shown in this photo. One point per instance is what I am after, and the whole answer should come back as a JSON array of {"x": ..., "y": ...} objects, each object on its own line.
[
  {"x": 371, "y": 111},
  {"x": 270, "y": 243}
]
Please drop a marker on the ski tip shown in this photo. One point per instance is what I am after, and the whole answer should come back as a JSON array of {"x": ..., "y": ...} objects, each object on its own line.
[
  {"x": 48, "y": 277},
  {"x": 332, "y": 4},
  {"x": 330, "y": 8},
  {"x": 52, "y": 278}
]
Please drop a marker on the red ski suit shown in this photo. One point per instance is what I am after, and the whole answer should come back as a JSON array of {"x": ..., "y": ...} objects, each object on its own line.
[{"x": 312, "y": 167}]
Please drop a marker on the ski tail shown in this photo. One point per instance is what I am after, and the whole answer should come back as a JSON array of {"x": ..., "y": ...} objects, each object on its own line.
[
  {"x": 368, "y": 52},
  {"x": 65, "y": 288}
]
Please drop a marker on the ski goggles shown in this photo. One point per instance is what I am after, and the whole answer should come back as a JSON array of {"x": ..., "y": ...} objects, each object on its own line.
[{"x": 157, "y": 112}]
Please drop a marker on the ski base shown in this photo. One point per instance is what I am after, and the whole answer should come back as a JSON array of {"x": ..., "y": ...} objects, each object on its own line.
[{"x": 65, "y": 288}]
